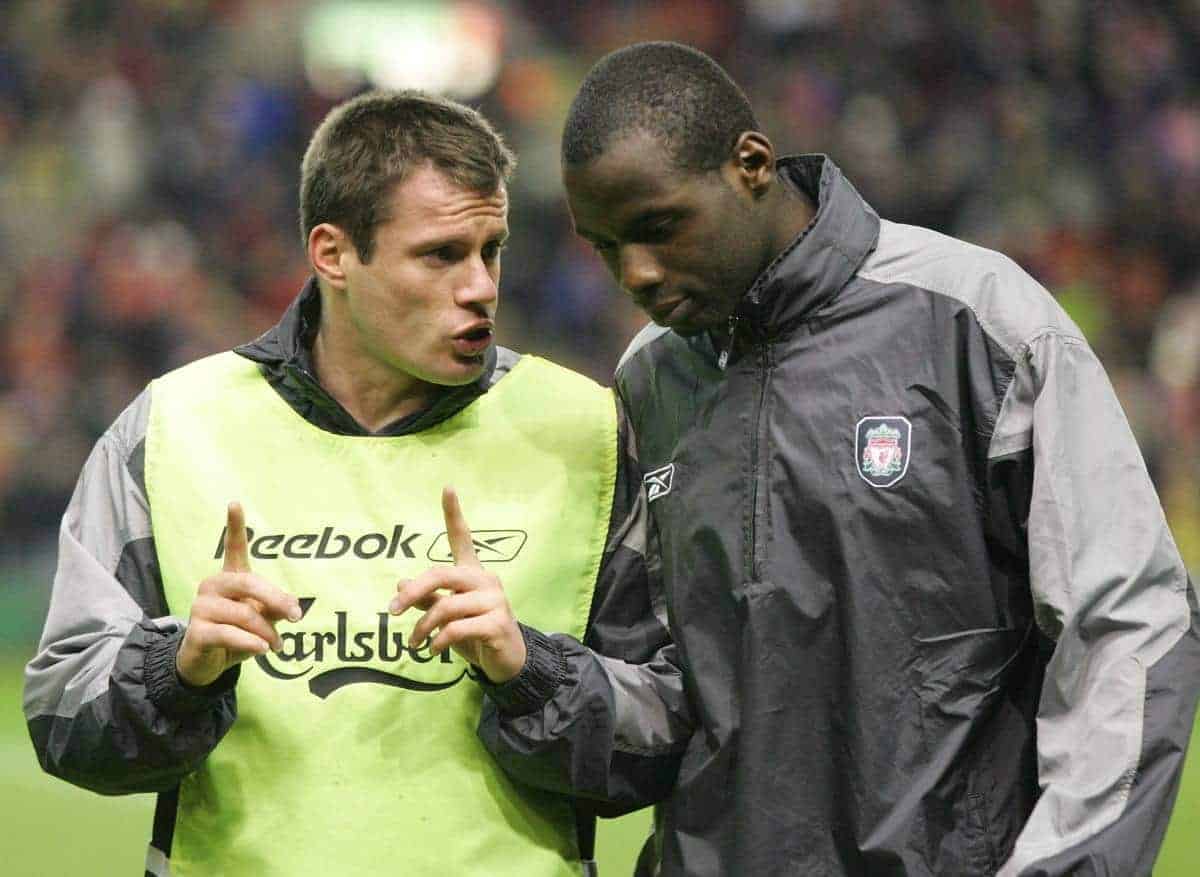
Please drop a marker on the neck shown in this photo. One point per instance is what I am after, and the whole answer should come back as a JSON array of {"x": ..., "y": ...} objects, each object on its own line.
[
  {"x": 370, "y": 391},
  {"x": 790, "y": 213},
  {"x": 793, "y": 213}
]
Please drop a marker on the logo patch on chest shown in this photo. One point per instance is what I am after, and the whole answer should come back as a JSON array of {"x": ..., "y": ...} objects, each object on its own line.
[
  {"x": 882, "y": 447},
  {"x": 658, "y": 483}
]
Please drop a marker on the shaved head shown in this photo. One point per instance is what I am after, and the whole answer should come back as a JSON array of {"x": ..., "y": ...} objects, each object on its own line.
[{"x": 676, "y": 94}]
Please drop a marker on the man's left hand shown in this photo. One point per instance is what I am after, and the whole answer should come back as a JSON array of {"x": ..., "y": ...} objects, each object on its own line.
[{"x": 465, "y": 604}]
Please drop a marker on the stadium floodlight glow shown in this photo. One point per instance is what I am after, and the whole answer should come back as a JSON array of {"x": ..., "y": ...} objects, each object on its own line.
[{"x": 450, "y": 48}]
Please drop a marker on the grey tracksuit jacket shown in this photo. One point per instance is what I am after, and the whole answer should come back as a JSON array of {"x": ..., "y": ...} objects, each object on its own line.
[{"x": 925, "y": 603}]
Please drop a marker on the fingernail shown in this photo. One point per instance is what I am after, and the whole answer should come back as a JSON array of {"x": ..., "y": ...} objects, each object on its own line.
[
  {"x": 295, "y": 614},
  {"x": 394, "y": 606}
]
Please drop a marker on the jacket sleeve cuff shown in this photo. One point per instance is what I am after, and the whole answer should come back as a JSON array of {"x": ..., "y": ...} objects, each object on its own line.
[
  {"x": 545, "y": 669},
  {"x": 168, "y": 692}
]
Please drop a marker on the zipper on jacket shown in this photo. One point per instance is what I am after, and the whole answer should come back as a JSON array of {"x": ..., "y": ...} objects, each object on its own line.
[
  {"x": 756, "y": 459},
  {"x": 723, "y": 359}
]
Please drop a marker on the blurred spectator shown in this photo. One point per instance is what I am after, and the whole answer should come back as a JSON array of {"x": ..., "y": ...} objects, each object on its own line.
[{"x": 149, "y": 155}]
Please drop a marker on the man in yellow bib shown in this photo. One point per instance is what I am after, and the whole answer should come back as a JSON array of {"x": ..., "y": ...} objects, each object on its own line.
[{"x": 219, "y": 631}]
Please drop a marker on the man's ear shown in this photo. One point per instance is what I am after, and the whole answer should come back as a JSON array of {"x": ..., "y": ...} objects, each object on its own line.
[
  {"x": 752, "y": 162},
  {"x": 328, "y": 248}
]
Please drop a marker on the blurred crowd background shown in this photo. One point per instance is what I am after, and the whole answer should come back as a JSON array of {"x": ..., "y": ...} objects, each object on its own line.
[{"x": 149, "y": 156}]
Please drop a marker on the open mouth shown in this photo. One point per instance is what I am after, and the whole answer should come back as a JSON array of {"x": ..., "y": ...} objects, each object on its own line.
[
  {"x": 473, "y": 341},
  {"x": 481, "y": 333}
]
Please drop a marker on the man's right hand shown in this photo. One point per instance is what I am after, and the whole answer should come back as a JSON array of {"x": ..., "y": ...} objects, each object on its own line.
[{"x": 234, "y": 613}]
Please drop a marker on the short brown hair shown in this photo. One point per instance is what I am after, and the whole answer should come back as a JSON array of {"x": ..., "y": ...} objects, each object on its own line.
[{"x": 370, "y": 143}]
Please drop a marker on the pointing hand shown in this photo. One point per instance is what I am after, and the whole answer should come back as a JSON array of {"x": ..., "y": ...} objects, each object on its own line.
[
  {"x": 465, "y": 604},
  {"x": 233, "y": 616}
]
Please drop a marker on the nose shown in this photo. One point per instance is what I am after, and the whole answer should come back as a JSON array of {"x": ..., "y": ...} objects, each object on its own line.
[
  {"x": 638, "y": 271},
  {"x": 480, "y": 284}
]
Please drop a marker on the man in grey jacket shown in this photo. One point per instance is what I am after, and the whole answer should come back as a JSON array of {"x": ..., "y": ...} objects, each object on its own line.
[{"x": 925, "y": 602}]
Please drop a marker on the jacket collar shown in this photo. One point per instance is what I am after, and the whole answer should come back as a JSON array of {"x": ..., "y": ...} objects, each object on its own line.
[
  {"x": 811, "y": 270},
  {"x": 289, "y": 341},
  {"x": 284, "y": 354}
]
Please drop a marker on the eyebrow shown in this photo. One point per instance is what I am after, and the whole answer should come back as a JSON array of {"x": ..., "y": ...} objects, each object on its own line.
[
  {"x": 638, "y": 221},
  {"x": 653, "y": 214},
  {"x": 437, "y": 242},
  {"x": 647, "y": 218}
]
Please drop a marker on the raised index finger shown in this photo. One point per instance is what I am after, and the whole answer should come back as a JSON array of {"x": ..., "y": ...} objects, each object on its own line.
[
  {"x": 462, "y": 546},
  {"x": 237, "y": 548}
]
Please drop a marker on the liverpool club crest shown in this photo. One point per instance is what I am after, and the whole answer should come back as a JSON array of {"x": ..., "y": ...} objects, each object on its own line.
[{"x": 881, "y": 446}]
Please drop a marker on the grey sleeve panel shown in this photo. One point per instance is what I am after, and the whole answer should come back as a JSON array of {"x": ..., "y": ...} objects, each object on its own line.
[
  {"x": 647, "y": 334},
  {"x": 1010, "y": 305},
  {"x": 1109, "y": 586},
  {"x": 90, "y": 611},
  {"x": 109, "y": 510},
  {"x": 506, "y": 360},
  {"x": 606, "y": 719},
  {"x": 1128, "y": 845},
  {"x": 649, "y": 703},
  {"x": 87, "y": 701}
]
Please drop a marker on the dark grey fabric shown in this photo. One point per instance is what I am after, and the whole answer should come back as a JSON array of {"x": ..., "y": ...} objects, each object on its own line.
[
  {"x": 137, "y": 465},
  {"x": 138, "y": 571},
  {"x": 543, "y": 672}
]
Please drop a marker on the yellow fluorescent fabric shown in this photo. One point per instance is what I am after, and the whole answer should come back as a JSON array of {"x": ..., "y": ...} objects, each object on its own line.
[{"x": 351, "y": 753}]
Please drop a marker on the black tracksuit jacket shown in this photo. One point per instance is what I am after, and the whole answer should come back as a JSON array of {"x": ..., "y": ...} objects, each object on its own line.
[{"x": 925, "y": 604}]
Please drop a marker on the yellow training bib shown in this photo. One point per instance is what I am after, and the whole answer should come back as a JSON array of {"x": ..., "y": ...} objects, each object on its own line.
[{"x": 352, "y": 752}]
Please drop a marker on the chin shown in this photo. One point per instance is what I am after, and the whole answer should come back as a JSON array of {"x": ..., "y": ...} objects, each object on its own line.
[
  {"x": 466, "y": 370},
  {"x": 700, "y": 324}
]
